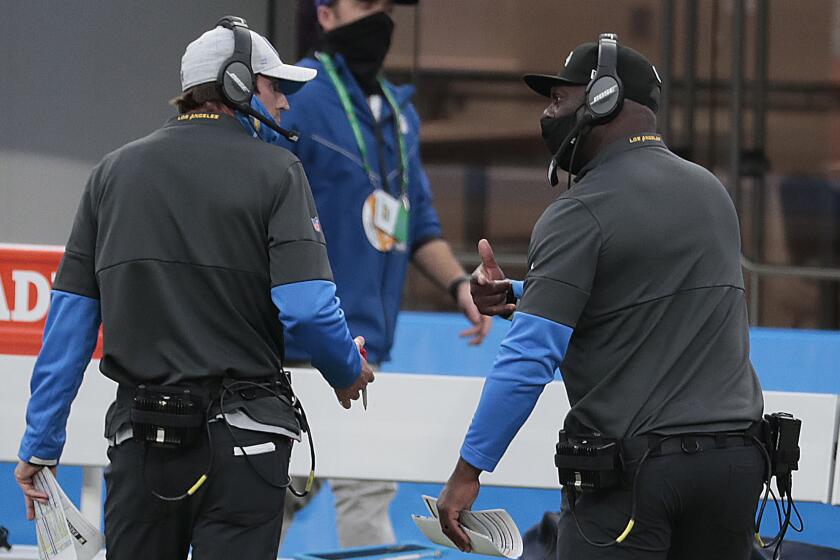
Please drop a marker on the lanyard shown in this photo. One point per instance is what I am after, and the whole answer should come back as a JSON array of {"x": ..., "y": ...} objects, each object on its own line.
[{"x": 347, "y": 105}]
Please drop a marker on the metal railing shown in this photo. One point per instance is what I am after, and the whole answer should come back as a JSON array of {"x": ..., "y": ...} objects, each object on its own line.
[{"x": 757, "y": 270}]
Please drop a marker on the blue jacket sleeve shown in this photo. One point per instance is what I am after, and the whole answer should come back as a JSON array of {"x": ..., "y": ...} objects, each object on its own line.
[
  {"x": 69, "y": 340},
  {"x": 533, "y": 348},
  {"x": 311, "y": 313}
]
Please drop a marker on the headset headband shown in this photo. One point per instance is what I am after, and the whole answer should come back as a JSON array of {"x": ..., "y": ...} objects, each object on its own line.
[
  {"x": 236, "y": 78},
  {"x": 607, "y": 55},
  {"x": 605, "y": 92},
  {"x": 241, "y": 39}
]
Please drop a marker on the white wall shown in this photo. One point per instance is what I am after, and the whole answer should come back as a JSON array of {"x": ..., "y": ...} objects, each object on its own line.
[{"x": 414, "y": 438}]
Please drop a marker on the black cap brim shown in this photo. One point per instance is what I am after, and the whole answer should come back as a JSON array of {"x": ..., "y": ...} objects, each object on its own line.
[{"x": 542, "y": 83}]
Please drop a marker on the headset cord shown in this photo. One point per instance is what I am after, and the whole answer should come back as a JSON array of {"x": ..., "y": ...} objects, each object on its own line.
[
  {"x": 578, "y": 140},
  {"x": 199, "y": 481},
  {"x": 575, "y": 136},
  {"x": 631, "y": 522},
  {"x": 798, "y": 516},
  {"x": 768, "y": 491},
  {"x": 785, "y": 491},
  {"x": 583, "y": 129},
  {"x": 788, "y": 504},
  {"x": 304, "y": 426},
  {"x": 310, "y": 480}
]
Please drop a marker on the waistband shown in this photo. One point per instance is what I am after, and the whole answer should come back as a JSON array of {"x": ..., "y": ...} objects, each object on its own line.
[
  {"x": 211, "y": 389},
  {"x": 634, "y": 448}
]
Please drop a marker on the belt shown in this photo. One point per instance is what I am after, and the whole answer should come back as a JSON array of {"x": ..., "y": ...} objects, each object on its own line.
[
  {"x": 118, "y": 423},
  {"x": 690, "y": 443},
  {"x": 213, "y": 387}
]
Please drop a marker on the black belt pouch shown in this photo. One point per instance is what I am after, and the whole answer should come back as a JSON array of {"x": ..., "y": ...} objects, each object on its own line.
[
  {"x": 588, "y": 462},
  {"x": 170, "y": 417}
]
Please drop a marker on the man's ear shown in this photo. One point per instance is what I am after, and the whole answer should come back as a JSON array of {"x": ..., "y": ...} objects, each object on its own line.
[{"x": 326, "y": 18}]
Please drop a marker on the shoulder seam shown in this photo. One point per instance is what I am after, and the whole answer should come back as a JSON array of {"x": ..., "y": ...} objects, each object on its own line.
[
  {"x": 77, "y": 254},
  {"x": 559, "y": 282},
  {"x": 279, "y": 243}
]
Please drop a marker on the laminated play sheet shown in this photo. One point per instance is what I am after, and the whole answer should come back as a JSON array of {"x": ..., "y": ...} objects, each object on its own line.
[{"x": 492, "y": 531}]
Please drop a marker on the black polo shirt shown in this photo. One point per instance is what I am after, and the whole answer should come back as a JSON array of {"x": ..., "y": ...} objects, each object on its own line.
[
  {"x": 181, "y": 235},
  {"x": 641, "y": 257}
]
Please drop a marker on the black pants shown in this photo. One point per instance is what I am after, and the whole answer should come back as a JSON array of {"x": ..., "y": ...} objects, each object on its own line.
[
  {"x": 235, "y": 514},
  {"x": 689, "y": 506}
]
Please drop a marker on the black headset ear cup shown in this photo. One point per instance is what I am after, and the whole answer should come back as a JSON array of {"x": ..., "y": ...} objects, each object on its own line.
[
  {"x": 236, "y": 78},
  {"x": 237, "y": 83},
  {"x": 604, "y": 98}
]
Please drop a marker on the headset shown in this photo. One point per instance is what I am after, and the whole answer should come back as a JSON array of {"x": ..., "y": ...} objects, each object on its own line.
[
  {"x": 605, "y": 92},
  {"x": 603, "y": 101},
  {"x": 236, "y": 77}
]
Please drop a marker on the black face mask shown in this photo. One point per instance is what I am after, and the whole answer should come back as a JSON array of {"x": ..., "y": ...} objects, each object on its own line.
[
  {"x": 555, "y": 131},
  {"x": 364, "y": 45}
]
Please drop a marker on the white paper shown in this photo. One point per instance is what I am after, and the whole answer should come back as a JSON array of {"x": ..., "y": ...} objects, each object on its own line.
[
  {"x": 63, "y": 534},
  {"x": 492, "y": 532},
  {"x": 258, "y": 449}
]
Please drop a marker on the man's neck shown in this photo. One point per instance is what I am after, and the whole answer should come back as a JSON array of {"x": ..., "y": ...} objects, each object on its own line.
[
  {"x": 365, "y": 76},
  {"x": 627, "y": 123},
  {"x": 214, "y": 107}
]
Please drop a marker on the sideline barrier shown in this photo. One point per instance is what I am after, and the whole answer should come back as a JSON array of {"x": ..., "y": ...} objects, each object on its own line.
[
  {"x": 398, "y": 438},
  {"x": 411, "y": 432}
]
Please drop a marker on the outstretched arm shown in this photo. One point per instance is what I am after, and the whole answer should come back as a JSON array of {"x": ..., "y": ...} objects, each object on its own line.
[{"x": 527, "y": 359}]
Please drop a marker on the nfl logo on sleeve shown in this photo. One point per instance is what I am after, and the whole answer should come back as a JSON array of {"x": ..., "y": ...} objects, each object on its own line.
[{"x": 316, "y": 224}]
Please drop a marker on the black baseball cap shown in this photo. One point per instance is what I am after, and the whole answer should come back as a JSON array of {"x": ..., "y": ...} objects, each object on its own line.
[{"x": 639, "y": 77}]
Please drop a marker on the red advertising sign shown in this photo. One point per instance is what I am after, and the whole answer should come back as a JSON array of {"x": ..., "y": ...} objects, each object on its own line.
[{"x": 26, "y": 276}]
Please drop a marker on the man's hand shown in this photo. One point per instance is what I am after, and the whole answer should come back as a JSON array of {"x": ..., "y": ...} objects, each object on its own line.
[
  {"x": 481, "y": 323},
  {"x": 352, "y": 392},
  {"x": 458, "y": 495},
  {"x": 25, "y": 475},
  {"x": 488, "y": 285}
]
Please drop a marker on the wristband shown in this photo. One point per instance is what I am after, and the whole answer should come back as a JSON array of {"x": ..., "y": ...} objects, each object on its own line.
[{"x": 455, "y": 284}]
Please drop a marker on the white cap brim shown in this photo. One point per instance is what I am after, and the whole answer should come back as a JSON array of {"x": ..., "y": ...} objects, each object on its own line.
[{"x": 290, "y": 72}]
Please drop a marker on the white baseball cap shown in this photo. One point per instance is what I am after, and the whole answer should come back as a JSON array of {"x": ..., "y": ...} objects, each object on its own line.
[{"x": 204, "y": 58}]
